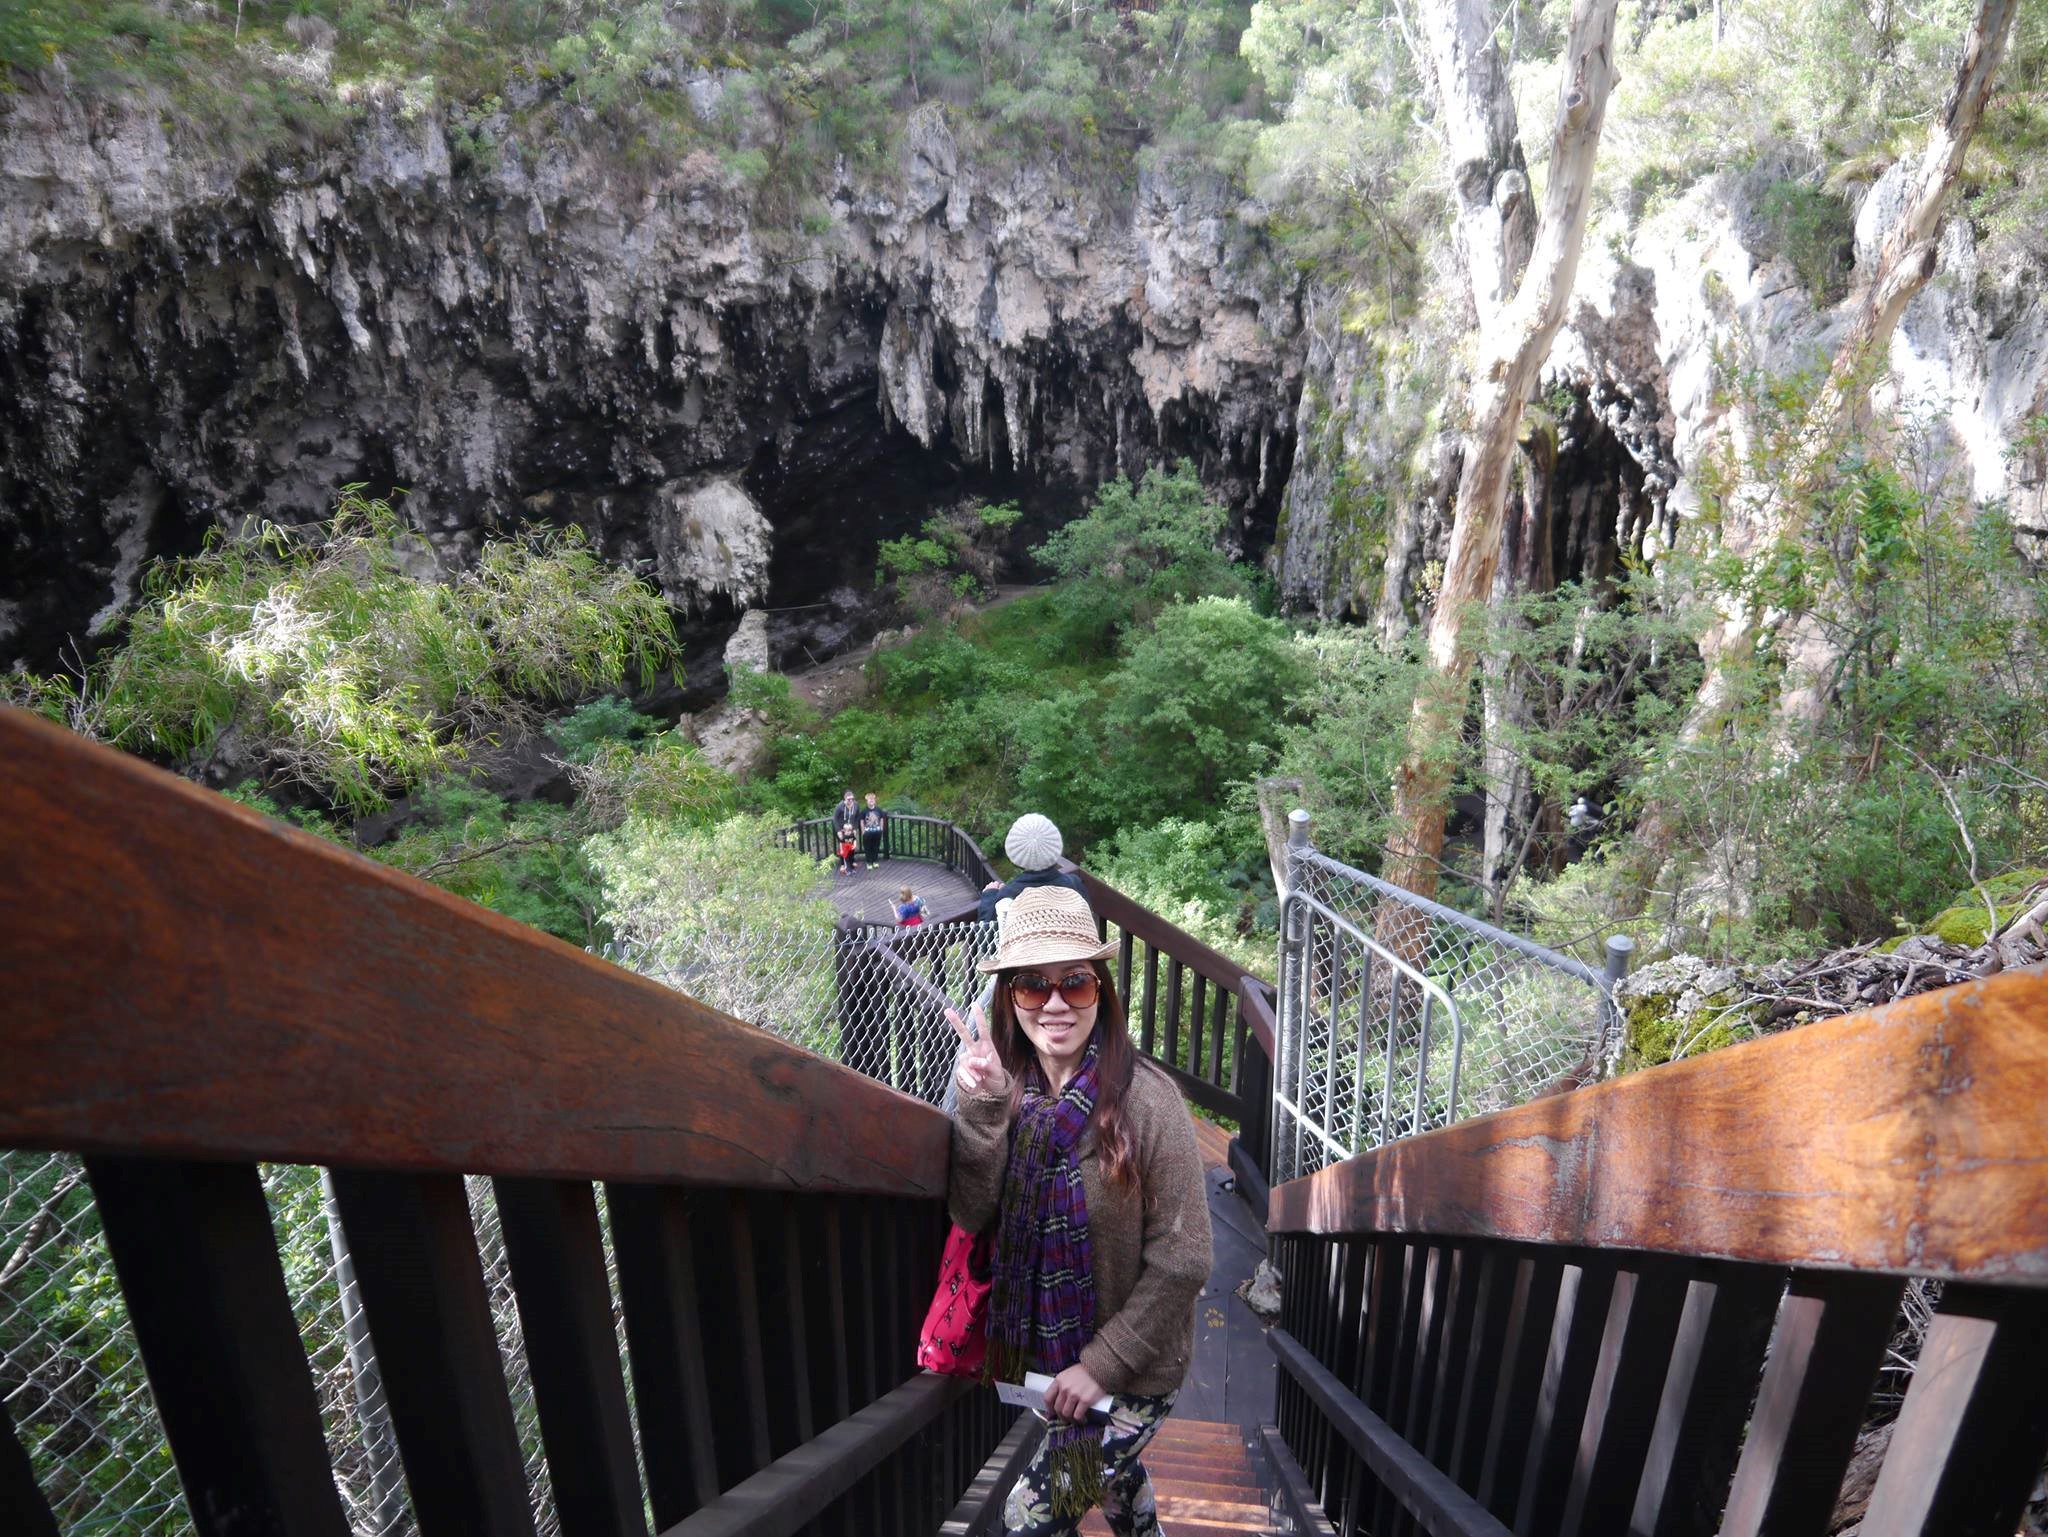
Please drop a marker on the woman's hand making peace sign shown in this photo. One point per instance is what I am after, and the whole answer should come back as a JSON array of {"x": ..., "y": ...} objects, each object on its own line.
[{"x": 980, "y": 1070}]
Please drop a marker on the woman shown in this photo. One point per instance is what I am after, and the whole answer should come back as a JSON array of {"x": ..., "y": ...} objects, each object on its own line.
[{"x": 1082, "y": 1158}]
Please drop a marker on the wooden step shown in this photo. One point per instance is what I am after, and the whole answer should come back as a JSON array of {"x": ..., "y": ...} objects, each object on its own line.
[
  {"x": 1181, "y": 1470},
  {"x": 1231, "y": 1468},
  {"x": 1203, "y": 1480},
  {"x": 1176, "y": 1525},
  {"x": 1231, "y": 1493}
]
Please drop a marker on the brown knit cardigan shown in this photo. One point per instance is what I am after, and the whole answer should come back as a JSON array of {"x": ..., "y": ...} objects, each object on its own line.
[{"x": 1150, "y": 1240}]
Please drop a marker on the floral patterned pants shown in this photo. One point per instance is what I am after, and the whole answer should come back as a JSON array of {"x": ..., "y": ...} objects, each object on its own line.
[{"x": 1128, "y": 1506}]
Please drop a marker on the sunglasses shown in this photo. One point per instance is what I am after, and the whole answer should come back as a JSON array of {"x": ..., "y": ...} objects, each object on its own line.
[{"x": 1029, "y": 990}]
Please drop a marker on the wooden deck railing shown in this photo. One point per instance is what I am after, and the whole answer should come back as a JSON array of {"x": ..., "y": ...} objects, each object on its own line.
[
  {"x": 905, "y": 837},
  {"x": 1204, "y": 1018},
  {"x": 1659, "y": 1305},
  {"x": 192, "y": 990}
]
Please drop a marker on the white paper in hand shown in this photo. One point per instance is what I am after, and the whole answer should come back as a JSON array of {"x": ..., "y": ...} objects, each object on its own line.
[{"x": 1030, "y": 1394}]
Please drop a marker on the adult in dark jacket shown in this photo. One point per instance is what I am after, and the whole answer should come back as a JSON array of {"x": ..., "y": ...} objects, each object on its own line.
[
  {"x": 1034, "y": 846},
  {"x": 846, "y": 814}
]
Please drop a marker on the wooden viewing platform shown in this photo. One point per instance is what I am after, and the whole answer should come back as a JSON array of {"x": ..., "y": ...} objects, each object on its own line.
[
  {"x": 935, "y": 859},
  {"x": 868, "y": 895}
]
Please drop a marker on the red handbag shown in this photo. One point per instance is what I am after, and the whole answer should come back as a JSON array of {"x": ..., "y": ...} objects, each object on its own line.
[{"x": 954, "y": 1340}]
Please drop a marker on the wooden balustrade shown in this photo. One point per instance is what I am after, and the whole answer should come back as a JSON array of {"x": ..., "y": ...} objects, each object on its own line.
[
  {"x": 905, "y": 837},
  {"x": 194, "y": 989},
  {"x": 1198, "y": 1014},
  {"x": 1659, "y": 1305}
]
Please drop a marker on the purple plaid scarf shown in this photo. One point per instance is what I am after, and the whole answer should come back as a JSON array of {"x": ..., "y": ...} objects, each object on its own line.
[{"x": 1042, "y": 1300}]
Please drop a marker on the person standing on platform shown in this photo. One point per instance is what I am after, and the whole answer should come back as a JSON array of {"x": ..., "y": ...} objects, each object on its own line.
[
  {"x": 845, "y": 816},
  {"x": 874, "y": 823}
]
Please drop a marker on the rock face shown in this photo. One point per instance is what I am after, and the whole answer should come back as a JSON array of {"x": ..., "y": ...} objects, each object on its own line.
[
  {"x": 1668, "y": 310},
  {"x": 517, "y": 334},
  {"x": 561, "y": 335}
]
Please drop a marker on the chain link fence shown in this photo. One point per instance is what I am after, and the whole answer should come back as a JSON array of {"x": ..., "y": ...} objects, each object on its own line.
[
  {"x": 1399, "y": 1015},
  {"x": 73, "y": 1385},
  {"x": 868, "y": 995}
]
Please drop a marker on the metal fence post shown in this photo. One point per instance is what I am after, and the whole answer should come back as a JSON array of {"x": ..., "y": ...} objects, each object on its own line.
[
  {"x": 1620, "y": 953},
  {"x": 1297, "y": 839},
  {"x": 1283, "y": 1154},
  {"x": 387, "y": 1492}
]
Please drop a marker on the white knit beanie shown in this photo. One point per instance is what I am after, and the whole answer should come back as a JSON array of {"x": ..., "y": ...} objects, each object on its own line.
[{"x": 1034, "y": 843}]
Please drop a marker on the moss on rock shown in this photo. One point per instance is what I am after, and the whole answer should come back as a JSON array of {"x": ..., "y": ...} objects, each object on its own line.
[
  {"x": 1965, "y": 922},
  {"x": 1681, "y": 1007}
]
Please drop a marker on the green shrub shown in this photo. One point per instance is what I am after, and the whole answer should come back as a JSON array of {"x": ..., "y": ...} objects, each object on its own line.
[
  {"x": 1816, "y": 233},
  {"x": 1138, "y": 548},
  {"x": 589, "y": 727},
  {"x": 525, "y": 861},
  {"x": 725, "y": 914},
  {"x": 1209, "y": 877},
  {"x": 326, "y": 659}
]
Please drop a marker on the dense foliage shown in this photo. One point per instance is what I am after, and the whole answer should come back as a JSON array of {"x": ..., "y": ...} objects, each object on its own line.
[{"x": 321, "y": 654}]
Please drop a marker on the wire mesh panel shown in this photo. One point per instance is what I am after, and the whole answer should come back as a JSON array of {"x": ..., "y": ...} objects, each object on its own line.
[
  {"x": 868, "y": 995},
  {"x": 73, "y": 1382},
  {"x": 70, "y": 1373},
  {"x": 1400, "y": 1015},
  {"x": 1370, "y": 1048}
]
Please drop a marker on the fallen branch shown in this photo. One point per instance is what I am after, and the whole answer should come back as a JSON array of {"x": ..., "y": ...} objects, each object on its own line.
[{"x": 38, "y": 1226}]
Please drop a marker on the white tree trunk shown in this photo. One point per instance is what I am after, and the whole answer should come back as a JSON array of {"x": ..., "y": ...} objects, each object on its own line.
[
  {"x": 1904, "y": 264},
  {"x": 1513, "y": 346},
  {"x": 1490, "y": 180}
]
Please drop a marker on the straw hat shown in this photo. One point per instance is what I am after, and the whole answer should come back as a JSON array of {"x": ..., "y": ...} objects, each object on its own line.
[{"x": 1047, "y": 926}]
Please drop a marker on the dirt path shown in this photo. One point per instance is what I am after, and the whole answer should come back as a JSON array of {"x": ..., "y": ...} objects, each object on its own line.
[{"x": 833, "y": 685}]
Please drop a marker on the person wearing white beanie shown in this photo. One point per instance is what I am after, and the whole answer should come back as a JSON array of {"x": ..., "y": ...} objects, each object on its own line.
[
  {"x": 1034, "y": 843},
  {"x": 1034, "y": 846}
]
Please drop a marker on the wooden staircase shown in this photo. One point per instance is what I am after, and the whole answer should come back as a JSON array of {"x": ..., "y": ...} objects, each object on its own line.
[{"x": 1204, "y": 1483}]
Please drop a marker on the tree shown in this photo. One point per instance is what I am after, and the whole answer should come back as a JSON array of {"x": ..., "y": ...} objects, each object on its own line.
[
  {"x": 1515, "y": 339},
  {"x": 1196, "y": 701},
  {"x": 1775, "y": 509},
  {"x": 1138, "y": 548},
  {"x": 318, "y": 654},
  {"x": 723, "y": 914},
  {"x": 1904, "y": 264}
]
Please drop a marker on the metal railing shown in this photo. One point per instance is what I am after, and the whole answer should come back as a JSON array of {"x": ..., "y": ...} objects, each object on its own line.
[{"x": 1398, "y": 1015}]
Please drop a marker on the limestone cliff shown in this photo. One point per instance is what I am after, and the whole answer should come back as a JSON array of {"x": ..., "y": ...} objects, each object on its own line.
[
  {"x": 562, "y": 332},
  {"x": 1670, "y": 310}
]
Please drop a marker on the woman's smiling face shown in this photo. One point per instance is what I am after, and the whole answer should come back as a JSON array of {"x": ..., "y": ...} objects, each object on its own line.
[{"x": 1057, "y": 1031}]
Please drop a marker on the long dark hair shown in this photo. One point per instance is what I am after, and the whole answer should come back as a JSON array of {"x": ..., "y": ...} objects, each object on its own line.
[{"x": 1115, "y": 1062}]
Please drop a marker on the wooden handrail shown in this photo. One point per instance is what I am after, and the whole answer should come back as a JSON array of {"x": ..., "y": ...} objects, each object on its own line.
[
  {"x": 1255, "y": 1001},
  {"x": 189, "y": 979},
  {"x": 787, "y": 1494},
  {"x": 1907, "y": 1139},
  {"x": 1113, "y": 906},
  {"x": 1437, "y": 1502},
  {"x": 927, "y": 993}
]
